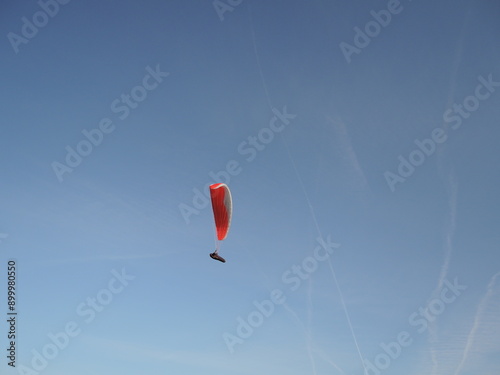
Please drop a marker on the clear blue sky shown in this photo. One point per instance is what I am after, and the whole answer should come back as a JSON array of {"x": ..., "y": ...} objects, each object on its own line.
[{"x": 376, "y": 128}]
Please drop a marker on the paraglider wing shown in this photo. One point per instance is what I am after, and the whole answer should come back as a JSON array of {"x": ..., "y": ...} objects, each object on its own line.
[{"x": 223, "y": 207}]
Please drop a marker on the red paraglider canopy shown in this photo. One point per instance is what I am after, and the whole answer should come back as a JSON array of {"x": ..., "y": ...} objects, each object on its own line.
[{"x": 223, "y": 207}]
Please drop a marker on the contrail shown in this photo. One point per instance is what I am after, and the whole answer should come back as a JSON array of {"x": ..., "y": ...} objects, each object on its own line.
[
  {"x": 325, "y": 358},
  {"x": 345, "y": 147},
  {"x": 304, "y": 191},
  {"x": 307, "y": 335},
  {"x": 309, "y": 322},
  {"x": 450, "y": 231},
  {"x": 480, "y": 309},
  {"x": 452, "y": 184}
]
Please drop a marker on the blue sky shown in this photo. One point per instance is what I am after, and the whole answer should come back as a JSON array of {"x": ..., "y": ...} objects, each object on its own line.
[{"x": 385, "y": 154}]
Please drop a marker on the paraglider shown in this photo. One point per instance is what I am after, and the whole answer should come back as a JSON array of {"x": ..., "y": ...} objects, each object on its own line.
[{"x": 222, "y": 206}]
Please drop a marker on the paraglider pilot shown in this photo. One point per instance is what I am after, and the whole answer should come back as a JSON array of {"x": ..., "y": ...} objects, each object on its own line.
[{"x": 216, "y": 256}]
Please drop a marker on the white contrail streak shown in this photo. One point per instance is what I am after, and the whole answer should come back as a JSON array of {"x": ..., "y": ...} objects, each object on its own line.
[
  {"x": 480, "y": 310},
  {"x": 301, "y": 183}
]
